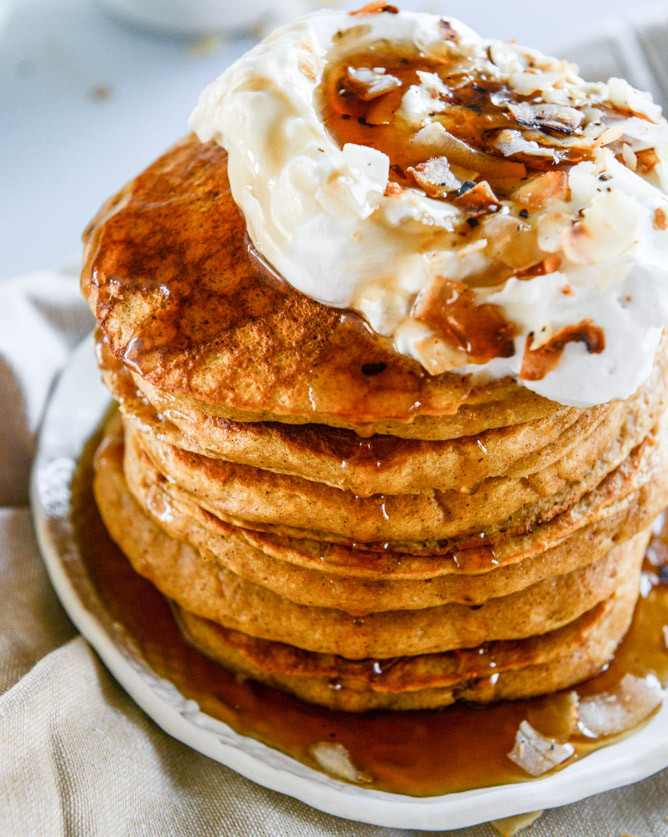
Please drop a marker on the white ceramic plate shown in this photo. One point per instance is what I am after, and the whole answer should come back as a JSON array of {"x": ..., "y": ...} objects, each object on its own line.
[{"x": 78, "y": 403}]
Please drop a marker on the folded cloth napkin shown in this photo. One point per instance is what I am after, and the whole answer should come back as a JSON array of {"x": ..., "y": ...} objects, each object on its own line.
[{"x": 77, "y": 756}]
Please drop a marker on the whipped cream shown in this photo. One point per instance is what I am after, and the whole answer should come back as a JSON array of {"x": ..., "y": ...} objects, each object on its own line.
[{"x": 586, "y": 243}]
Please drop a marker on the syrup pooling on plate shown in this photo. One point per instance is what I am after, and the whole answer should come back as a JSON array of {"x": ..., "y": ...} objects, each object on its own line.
[
  {"x": 419, "y": 753},
  {"x": 378, "y": 155}
]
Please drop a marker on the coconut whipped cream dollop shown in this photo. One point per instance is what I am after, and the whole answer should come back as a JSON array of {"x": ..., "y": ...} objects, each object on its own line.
[{"x": 479, "y": 203}]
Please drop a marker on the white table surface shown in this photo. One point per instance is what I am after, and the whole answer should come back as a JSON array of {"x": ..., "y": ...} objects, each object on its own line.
[{"x": 86, "y": 102}]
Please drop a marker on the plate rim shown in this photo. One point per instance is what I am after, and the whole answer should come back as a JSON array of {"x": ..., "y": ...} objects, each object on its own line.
[{"x": 619, "y": 764}]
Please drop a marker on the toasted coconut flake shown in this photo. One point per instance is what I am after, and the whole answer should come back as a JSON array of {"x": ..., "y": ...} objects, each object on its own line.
[
  {"x": 335, "y": 759},
  {"x": 625, "y": 97},
  {"x": 512, "y": 242},
  {"x": 547, "y": 116},
  {"x": 556, "y": 715},
  {"x": 609, "y": 227},
  {"x": 647, "y": 160},
  {"x": 528, "y": 83},
  {"x": 628, "y": 157},
  {"x": 584, "y": 183},
  {"x": 510, "y": 826},
  {"x": 631, "y": 701},
  {"x": 550, "y": 227},
  {"x": 375, "y": 8},
  {"x": 535, "y": 753},
  {"x": 429, "y": 138},
  {"x": 433, "y": 84},
  {"x": 610, "y": 135},
  {"x": 511, "y": 142},
  {"x": 543, "y": 189},
  {"x": 478, "y": 200},
  {"x": 392, "y": 189},
  {"x": 369, "y": 84},
  {"x": 641, "y": 134},
  {"x": 422, "y": 101},
  {"x": 418, "y": 103},
  {"x": 437, "y": 356},
  {"x": 448, "y": 31},
  {"x": 523, "y": 113},
  {"x": 434, "y": 177},
  {"x": 507, "y": 58},
  {"x": 461, "y": 154}
]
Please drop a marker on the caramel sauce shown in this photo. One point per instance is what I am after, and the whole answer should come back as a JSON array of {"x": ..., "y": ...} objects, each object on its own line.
[
  {"x": 452, "y": 310},
  {"x": 420, "y": 753},
  {"x": 351, "y": 119},
  {"x": 476, "y": 112},
  {"x": 536, "y": 363}
]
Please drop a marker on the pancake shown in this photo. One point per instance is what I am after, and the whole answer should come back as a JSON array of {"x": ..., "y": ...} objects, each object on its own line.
[
  {"x": 216, "y": 593},
  {"x": 262, "y": 497},
  {"x": 309, "y": 573},
  {"x": 326, "y": 516},
  {"x": 378, "y": 465},
  {"x": 498, "y": 671},
  {"x": 182, "y": 301}
]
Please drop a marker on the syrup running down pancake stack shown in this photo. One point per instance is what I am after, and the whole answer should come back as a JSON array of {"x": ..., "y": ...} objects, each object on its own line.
[{"x": 327, "y": 515}]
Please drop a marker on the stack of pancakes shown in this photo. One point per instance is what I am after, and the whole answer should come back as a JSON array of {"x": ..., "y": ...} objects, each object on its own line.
[{"x": 326, "y": 516}]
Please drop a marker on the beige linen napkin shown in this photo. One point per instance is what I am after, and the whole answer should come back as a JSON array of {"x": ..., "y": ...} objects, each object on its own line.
[{"x": 77, "y": 757}]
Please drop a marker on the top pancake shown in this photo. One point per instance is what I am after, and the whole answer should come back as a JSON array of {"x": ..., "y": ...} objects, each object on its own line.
[{"x": 184, "y": 303}]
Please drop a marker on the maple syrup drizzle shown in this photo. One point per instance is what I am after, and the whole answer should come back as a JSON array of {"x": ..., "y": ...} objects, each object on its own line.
[
  {"x": 421, "y": 753},
  {"x": 538, "y": 362},
  {"x": 477, "y": 110}
]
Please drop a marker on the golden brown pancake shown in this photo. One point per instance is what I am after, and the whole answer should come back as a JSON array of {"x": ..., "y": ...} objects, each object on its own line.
[
  {"x": 310, "y": 573},
  {"x": 215, "y": 593},
  {"x": 525, "y": 667},
  {"x": 261, "y": 497},
  {"x": 380, "y": 464},
  {"x": 325, "y": 515},
  {"x": 182, "y": 301}
]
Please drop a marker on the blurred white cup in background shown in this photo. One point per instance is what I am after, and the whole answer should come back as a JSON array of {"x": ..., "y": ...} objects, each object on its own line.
[{"x": 190, "y": 17}]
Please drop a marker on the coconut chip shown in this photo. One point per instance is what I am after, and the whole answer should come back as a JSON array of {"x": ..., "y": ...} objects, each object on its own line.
[
  {"x": 641, "y": 134},
  {"x": 647, "y": 160},
  {"x": 437, "y": 356},
  {"x": 375, "y": 8},
  {"x": 547, "y": 117},
  {"x": 628, "y": 156},
  {"x": 543, "y": 189},
  {"x": 549, "y": 229},
  {"x": 535, "y": 753},
  {"x": 556, "y": 715},
  {"x": 631, "y": 701},
  {"x": 608, "y": 228},
  {"x": 369, "y": 84},
  {"x": 625, "y": 97},
  {"x": 335, "y": 759},
  {"x": 478, "y": 200},
  {"x": 435, "y": 177},
  {"x": 511, "y": 142},
  {"x": 509, "y": 826}
]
